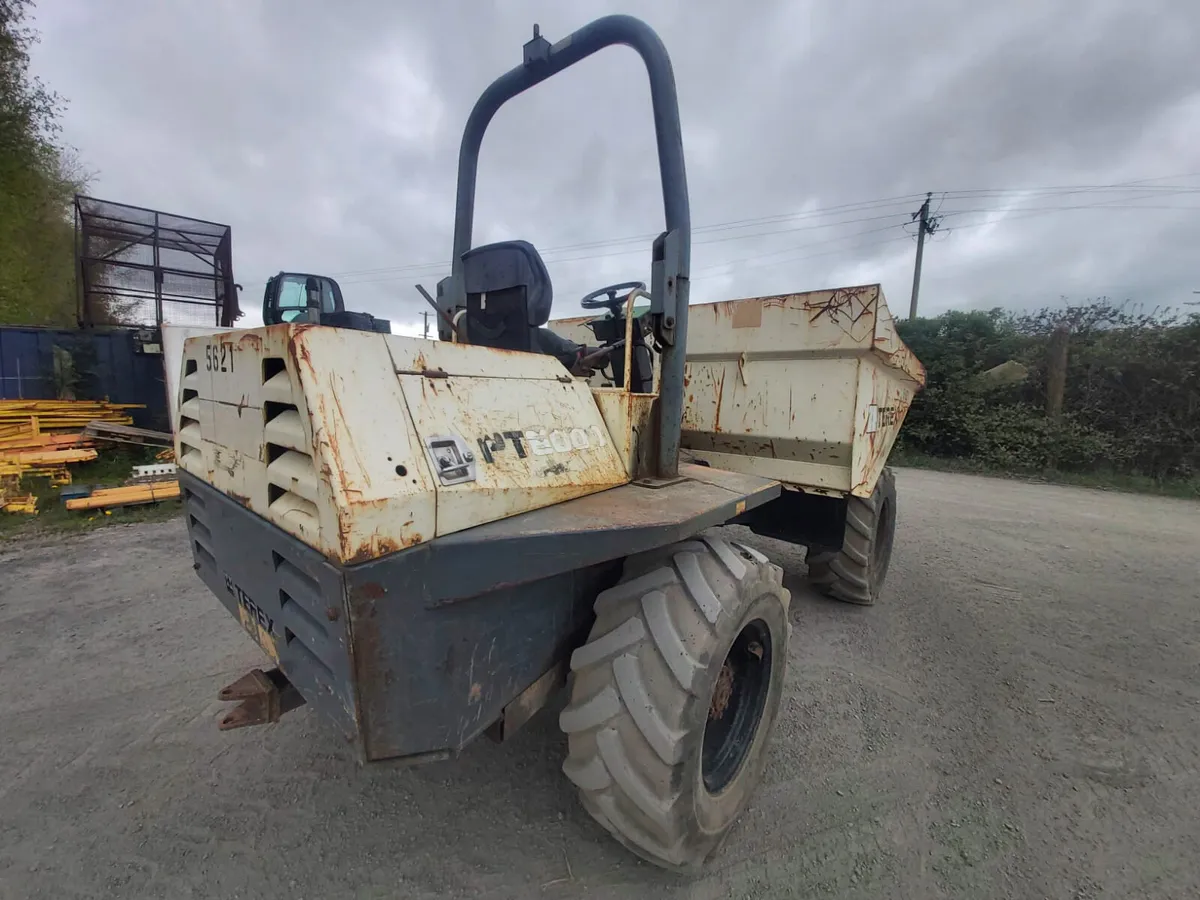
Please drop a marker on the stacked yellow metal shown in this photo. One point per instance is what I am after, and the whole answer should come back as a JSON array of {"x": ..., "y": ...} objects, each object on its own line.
[
  {"x": 27, "y": 420},
  {"x": 42, "y": 437},
  {"x": 127, "y": 496},
  {"x": 47, "y": 458}
]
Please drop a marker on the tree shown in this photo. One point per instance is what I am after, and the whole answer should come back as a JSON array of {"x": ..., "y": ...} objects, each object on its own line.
[{"x": 38, "y": 180}]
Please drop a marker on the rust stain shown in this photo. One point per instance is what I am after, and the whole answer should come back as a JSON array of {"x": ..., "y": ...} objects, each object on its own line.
[
  {"x": 298, "y": 349},
  {"x": 720, "y": 393},
  {"x": 377, "y": 546},
  {"x": 722, "y": 693},
  {"x": 241, "y": 498},
  {"x": 906, "y": 361},
  {"x": 250, "y": 340},
  {"x": 365, "y": 653},
  {"x": 335, "y": 444},
  {"x": 476, "y": 693},
  {"x": 372, "y": 590},
  {"x": 332, "y": 613}
]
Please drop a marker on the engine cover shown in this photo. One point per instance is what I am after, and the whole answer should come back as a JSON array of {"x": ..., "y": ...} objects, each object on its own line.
[{"x": 361, "y": 444}]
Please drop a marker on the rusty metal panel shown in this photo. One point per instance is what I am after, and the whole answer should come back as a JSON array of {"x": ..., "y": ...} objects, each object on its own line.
[
  {"x": 531, "y": 443},
  {"x": 287, "y": 597},
  {"x": 829, "y": 321},
  {"x": 891, "y": 350},
  {"x": 630, "y": 421},
  {"x": 821, "y": 476},
  {"x": 418, "y": 355},
  {"x": 367, "y": 454},
  {"x": 173, "y": 338},
  {"x": 782, "y": 386},
  {"x": 882, "y": 403},
  {"x": 335, "y": 435},
  {"x": 776, "y": 417},
  {"x": 279, "y": 420},
  {"x": 774, "y": 398}
]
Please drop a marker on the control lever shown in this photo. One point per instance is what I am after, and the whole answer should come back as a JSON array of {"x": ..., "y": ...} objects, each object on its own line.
[{"x": 601, "y": 354}]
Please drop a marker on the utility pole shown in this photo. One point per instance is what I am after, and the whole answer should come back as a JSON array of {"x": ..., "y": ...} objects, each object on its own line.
[
  {"x": 425, "y": 316},
  {"x": 928, "y": 225}
]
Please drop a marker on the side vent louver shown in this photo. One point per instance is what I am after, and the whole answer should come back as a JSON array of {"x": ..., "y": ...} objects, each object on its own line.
[
  {"x": 198, "y": 526},
  {"x": 291, "y": 474},
  {"x": 189, "y": 417}
]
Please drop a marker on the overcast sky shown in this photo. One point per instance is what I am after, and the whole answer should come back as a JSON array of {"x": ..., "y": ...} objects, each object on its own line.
[{"x": 326, "y": 134}]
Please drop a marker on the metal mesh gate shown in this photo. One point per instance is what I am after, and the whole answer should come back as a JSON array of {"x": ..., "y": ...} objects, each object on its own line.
[{"x": 143, "y": 267}]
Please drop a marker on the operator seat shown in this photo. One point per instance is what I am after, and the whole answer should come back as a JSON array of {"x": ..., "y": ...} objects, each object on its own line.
[
  {"x": 508, "y": 301},
  {"x": 508, "y": 295}
]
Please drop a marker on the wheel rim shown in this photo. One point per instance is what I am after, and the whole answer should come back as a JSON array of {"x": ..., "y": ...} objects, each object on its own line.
[{"x": 736, "y": 706}]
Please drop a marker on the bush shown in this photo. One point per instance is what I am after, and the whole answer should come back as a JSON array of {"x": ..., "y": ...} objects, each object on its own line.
[{"x": 1131, "y": 402}]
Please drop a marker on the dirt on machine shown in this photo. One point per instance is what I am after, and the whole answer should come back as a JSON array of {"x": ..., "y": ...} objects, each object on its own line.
[{"x": 430, "y": 539}]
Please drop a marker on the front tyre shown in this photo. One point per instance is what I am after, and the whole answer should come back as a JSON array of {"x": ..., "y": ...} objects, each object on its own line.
[{"x": 675, "y": 694}]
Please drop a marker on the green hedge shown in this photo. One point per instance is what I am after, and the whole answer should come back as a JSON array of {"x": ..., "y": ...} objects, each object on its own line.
[{"x": 1131, "y": 403}]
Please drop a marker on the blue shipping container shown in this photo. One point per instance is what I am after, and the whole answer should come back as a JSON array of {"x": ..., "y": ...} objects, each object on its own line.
[{"x": 109, "y": 365}]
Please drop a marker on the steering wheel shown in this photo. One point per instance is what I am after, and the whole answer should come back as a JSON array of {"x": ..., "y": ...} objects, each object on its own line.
[{"x": 613, "y": 304}]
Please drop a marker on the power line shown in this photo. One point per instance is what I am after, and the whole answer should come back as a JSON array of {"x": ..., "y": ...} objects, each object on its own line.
[
  {"x": 904, "y": 218},
  {"x": 441, "y": 267},
  {"x": 1025, "y": 214},
  {"x": 702, "y": 229},
  {"x": 416, "y": 269},
  {"x": 857, "y": 206}
]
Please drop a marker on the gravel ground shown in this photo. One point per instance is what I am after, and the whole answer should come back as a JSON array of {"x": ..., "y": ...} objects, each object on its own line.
[{"x": 1019, "y": 717}]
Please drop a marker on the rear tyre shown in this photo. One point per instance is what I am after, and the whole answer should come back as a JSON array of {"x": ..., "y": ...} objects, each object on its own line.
[
  {"x": 856, "y": 573},
  {"x": 674, "y": 697}
]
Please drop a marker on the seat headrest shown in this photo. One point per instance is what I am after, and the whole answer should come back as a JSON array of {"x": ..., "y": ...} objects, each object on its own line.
[{"x": 510, "y": 264}]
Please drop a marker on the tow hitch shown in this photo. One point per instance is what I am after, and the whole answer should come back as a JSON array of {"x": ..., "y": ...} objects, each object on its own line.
[{"x": 263, "y": 696}]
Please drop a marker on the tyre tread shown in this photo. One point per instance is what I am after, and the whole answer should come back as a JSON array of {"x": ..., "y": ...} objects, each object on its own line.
[
  {"x": 624, "y": 754},
  {"x": 846, "y": 574}
]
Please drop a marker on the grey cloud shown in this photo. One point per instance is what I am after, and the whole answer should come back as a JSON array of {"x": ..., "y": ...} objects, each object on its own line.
[{"x": 327, "y": 136}]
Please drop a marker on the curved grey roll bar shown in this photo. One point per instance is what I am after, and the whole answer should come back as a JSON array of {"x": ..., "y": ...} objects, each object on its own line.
[{"x": 671, "y": 251}]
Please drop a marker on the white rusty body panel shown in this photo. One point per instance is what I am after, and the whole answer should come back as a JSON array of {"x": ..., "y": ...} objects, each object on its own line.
[
  {"x": 173, "y": 337},
  {"x": 361, "y": 444},
  {"x": 809, "y": 389},
  {"x": 632, "y": 425}
]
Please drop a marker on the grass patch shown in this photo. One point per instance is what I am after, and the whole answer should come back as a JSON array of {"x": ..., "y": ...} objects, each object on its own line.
[
  {"x": 111, "y": 468},
  {"x": 1186, "y": 488}
]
